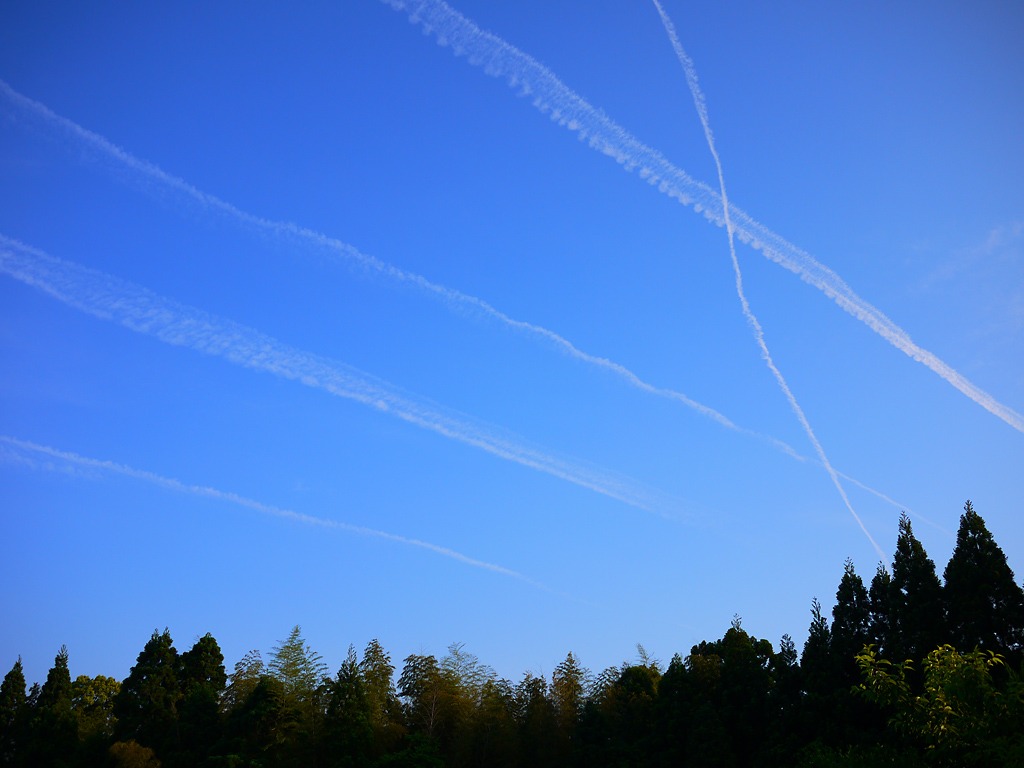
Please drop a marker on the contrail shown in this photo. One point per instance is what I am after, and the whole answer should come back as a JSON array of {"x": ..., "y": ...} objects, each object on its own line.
[
  {"x": 268, "y": 509},
  {"x": 566, "y": 108},
  {"x": 344, "y": 250},
  {"x": 702, "y": 112},
  {"x": 145, "y": 312}
]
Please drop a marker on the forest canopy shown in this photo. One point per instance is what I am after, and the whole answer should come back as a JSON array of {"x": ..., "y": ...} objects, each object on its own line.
[{"x": 910, "y": 669}]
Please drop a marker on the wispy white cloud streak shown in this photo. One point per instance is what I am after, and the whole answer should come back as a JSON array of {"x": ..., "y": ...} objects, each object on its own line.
[
  {"x": 551, "y": 96},
  {"x": 145, "y": 312},
  {"x": 343, "y": 250},
  {"x": 204, "y": 491},
  {"x": 702, "y": 112}
]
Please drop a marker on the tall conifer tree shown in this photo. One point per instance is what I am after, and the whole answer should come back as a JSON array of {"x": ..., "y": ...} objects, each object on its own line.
[
  {"x": 147, "y": 705},
  {"x": 917, "y": 612},
  {"x": 984, "y": 604},
  {"x": 13, "y": 710},
  {"x": 851, "y": 619}
]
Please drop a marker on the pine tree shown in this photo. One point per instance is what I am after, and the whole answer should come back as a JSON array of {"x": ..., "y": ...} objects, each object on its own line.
[
  {"x": 984, "y": 604},
  {"x": 917, "y": 613}
]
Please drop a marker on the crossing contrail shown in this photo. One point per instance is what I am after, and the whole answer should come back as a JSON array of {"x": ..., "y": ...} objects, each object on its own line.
[
  {"x": 702, "y": 112},
  {"x": 343, "y": 250},
  {"x": 568, "y": 109},
  {"x": 258, "y": 506},
  {"x": 145, "y": 312}
]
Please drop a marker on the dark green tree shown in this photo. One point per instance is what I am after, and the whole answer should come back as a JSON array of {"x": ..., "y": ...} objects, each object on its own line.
[
  {"x": 53, "y": 738},
  {"x": 261, "y": 730},
  {"x": 880, "y": 599},
  {"x": 817, "y": 665},
  {"x": 348, "y": 726},
  {"x": 851, "y": 623},
  {"x": 147, "y": 705},
  {"x": 917, "y": 614},
  {"x": 13, "y": 713},
  {"x": 202, "y": 680},
  {"x": 538, "y": 724},
  {"x": 984, "y": 604}
]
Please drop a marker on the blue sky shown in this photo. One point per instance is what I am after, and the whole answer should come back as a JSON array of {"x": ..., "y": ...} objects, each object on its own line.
[{"x": 318, "y": 277}]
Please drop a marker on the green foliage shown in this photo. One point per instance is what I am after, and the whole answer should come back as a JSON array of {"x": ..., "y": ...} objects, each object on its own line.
[
  {"x": 300, "y": 669},
  {"x": 92, "y": 700},
  {"x": 961, "y": 717},
  {"x": 243, "y": 680}
]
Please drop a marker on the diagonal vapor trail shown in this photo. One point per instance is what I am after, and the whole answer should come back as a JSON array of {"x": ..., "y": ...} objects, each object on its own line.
[
  {"x": 568, "y": 109},
  {"x": 340, "y": 249},
  {"x": 344, "y": 250},
  {"x": 145, "y": 312},
  {"x": 702, "y": 112},
  {"x": 258, "y": 506}
]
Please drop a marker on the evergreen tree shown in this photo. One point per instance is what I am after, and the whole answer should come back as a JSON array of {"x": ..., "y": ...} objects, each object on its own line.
[
  {"x": 348, "y": 725},
  {"x": 851, "y": 618},
  {"x": 202, "y": 680},
  {"x": 147, "y": 705},
  {"x": 817, "y": 666},
  {"x": 53, "y": 736},
  {"x": 880, "y": 623},
  {"x": 13, "y": 713},
  {"x": 917, "y": 613},
  {"x": 984, "y": 604}
]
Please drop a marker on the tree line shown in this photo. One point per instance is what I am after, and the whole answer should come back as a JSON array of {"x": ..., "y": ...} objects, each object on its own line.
[{"x": 911, "y": 671}]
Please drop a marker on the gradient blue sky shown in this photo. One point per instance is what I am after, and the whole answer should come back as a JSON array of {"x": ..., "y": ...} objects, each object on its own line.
[{"x": 883, "y": 139}]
